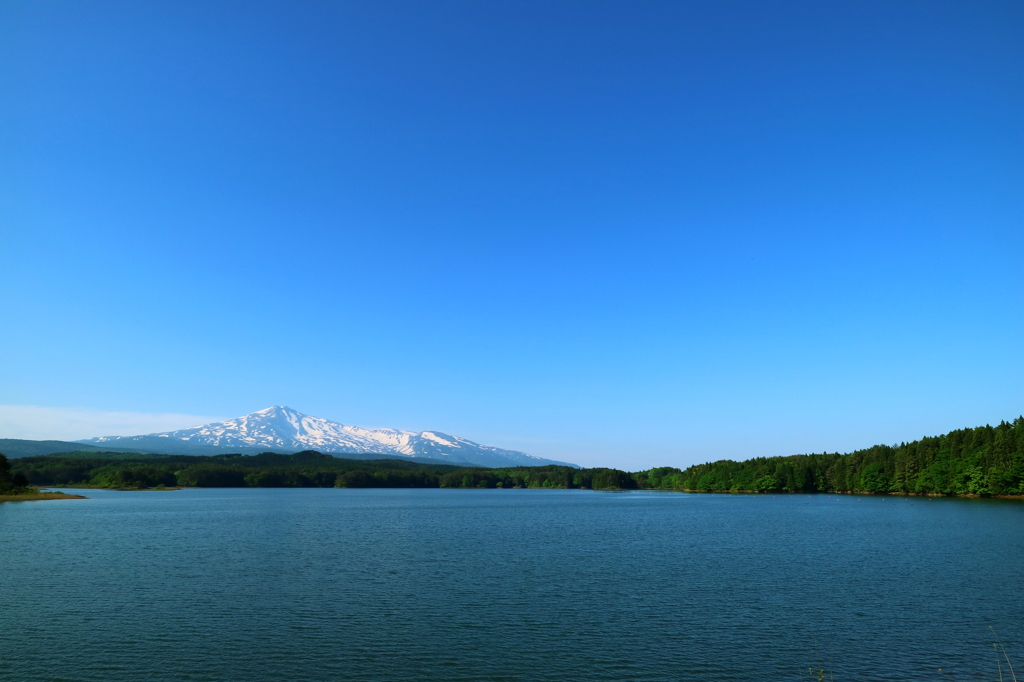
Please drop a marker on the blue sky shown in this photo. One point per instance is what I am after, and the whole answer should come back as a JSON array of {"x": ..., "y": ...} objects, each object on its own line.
[{"x": 619, "y": 233}]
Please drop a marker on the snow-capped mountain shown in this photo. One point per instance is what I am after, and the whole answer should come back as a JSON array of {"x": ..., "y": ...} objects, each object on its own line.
[{"x": 283, "y": 429}]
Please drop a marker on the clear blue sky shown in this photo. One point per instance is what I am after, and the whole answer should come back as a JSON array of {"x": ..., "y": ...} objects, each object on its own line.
[{"x": 619, "y": 233}]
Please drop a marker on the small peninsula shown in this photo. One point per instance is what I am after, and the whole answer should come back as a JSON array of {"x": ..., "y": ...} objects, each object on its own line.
[{"x": 34, "y": 494}]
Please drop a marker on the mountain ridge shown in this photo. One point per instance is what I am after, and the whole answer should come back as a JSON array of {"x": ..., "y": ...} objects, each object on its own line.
[{"x": 280, "y": 427}]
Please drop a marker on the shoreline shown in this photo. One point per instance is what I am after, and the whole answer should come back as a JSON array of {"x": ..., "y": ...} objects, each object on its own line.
[
  {"x": 37, "y": 496},
  {"x": 43, "y": 496},
  {"x": 836, "y": 492},
  {"x": 97, "y": 487}
]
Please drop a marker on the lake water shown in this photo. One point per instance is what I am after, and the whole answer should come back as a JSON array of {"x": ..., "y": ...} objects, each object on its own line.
[{"x": 325, "y": 584}]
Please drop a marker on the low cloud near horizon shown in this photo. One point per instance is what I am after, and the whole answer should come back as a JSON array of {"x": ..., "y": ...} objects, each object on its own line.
[{"x": 33, "y": 422}]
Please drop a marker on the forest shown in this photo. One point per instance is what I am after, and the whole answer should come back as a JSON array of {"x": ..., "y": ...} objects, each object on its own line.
[
  {"x": 307, "y": 469},
  {"x": 11, "y": 482},
  {"x": 987, "y": 460}
]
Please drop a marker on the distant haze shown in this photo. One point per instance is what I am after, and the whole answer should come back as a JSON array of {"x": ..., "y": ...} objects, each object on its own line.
[{"x": 56, "y": 423}]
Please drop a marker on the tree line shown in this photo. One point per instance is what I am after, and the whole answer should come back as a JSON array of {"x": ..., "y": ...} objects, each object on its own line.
[
  {"x": 11, "y": 482},
  {"x": 987, "y": 460},
  {"x": 308, "y": 469}
]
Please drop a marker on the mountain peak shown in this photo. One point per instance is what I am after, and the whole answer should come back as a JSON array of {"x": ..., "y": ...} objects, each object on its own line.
[
  {"x": 282, "y": 428},
  {"x": 275, "y": 410}
]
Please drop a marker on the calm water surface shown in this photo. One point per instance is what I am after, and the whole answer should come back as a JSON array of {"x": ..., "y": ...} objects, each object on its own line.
[{"x": 324, "y": 584}]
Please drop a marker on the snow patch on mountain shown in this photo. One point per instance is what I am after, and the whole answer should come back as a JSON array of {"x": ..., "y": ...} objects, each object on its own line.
[{"x": 430, "y": 435}]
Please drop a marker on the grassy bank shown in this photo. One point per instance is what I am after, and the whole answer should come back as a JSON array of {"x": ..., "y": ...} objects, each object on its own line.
[{"x": 33, "y": 495}]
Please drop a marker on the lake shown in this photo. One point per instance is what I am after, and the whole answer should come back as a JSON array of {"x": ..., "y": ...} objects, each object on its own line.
[{"x": 344, "y": 584}]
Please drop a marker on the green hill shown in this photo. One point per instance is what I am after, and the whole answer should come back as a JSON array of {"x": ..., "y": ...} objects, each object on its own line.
[{"x": 16, "y": 448}]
